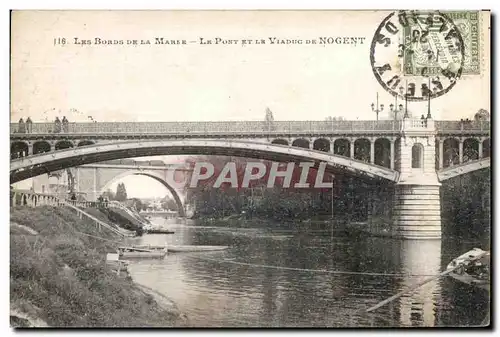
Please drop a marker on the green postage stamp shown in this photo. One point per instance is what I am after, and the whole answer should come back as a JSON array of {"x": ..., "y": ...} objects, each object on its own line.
[{"x": 467, "y": 23}]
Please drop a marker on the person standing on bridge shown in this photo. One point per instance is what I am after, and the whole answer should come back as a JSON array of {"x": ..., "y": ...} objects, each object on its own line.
[
  {"x": 22, "y": 126},
  {"x": 65, "y": 124},
  {"x": 57, "y": 125},
  {"x": 29, "y": 125}
]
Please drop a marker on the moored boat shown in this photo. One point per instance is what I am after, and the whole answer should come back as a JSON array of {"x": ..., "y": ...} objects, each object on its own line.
[
  {"x": 472, "y": 268},
  {"x": 179, "y": 249},
  {"x": 134, "y": 252},
  {"x": 159, "y": 231}
]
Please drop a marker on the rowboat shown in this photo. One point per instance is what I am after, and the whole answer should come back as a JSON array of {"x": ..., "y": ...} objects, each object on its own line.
[
  {"x": 179, "y": 249},
  {"x": 159, "y": 231},
  {"x": 135, "y": 252},
  {"x": 474, "y": 268}
]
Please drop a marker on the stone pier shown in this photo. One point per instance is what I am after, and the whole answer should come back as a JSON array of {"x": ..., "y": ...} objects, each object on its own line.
[{"x": 417, "y": 206}]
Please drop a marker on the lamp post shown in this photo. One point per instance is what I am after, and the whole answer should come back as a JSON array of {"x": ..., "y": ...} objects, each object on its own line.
[
  {"x": 395, "y": 108},
  {"x": 378, "y": 109}
]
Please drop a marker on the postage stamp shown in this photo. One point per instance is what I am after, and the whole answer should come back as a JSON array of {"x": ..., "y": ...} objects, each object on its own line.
[
  {"x": 423, "y": 50},
  {"x": 467, "y": 23}
]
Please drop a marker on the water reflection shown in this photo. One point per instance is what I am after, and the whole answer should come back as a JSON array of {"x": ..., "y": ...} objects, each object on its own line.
[
  {"x": 287, "y": 277},
  {"x": 419, "y": 257}
]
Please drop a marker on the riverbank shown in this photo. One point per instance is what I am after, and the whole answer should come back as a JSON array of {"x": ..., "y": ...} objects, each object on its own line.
[{"x": 59, "y": 276}]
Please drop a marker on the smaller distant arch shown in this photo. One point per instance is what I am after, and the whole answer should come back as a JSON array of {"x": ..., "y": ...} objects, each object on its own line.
[
  {"x": 85, "y": 143},
  {"x": 64, "y": 144},
  {"x": 280, "y": 141},
  {"x": 301, "y": 142}
]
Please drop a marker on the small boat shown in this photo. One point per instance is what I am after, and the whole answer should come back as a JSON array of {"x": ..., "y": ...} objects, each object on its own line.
[
  {"x": 474, "y": 268},
  {"x": 159, "y": 231},
  {"x": 133, "y": 252},
  {"x": 180, "y": 249},
  {"x": 149, "y": 247}
]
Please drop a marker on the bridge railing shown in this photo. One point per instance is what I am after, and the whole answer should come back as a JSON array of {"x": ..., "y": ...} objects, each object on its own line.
[
  {"x": 255, "y": 127},
  {"x": 457, "y": 126},
  {"x": 217, "y": 127}
]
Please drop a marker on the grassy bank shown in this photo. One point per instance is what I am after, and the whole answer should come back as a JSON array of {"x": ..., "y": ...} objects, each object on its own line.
[{"x": 58, "y": 276}]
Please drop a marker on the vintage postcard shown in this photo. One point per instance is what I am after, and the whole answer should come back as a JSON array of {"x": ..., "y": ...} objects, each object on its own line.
[{"x": 206, "y": 168}]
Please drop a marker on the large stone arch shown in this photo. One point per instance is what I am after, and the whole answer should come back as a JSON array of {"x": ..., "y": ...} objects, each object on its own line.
[
  {"x": 46, "y": 162},
  {"x": 470, "y": 166},
  {"x": 105, "y": 183}
]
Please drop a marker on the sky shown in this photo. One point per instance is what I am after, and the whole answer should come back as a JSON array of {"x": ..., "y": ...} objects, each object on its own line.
[
  {"x": 201, "y": 82},
  {"x": 135, "y": 186},
  {"x": 197, "y": 82}
]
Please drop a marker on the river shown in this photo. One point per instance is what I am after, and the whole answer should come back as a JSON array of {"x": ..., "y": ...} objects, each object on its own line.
[{"x": 285, "y": 277}]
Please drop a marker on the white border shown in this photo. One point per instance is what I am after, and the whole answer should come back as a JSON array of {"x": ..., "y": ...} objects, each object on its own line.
[{"x": 149, "y": 4}]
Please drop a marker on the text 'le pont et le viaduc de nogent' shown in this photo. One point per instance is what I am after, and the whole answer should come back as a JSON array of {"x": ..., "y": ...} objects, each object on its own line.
[{"x": 324, "y": 40}]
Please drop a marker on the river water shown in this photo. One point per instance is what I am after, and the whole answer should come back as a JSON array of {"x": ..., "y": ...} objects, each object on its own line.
[{"x": 286, "y": 277}]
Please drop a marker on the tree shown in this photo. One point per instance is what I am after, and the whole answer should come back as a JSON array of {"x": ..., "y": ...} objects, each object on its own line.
[
  {"x": 170, "y": 204},
  {"x": 108, "y": 194},
  {"x": 138, "y": 204},
  {"x": 482, "y": 115},
  {"x": 121, "y": 192},
  {"x": 269, "y": 120}
]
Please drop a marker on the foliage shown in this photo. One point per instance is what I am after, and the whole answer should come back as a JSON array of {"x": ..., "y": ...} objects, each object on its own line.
[
  {"x": 466, "y": 199},
  {"x": 169, "y": 203},
  {"x": 138, "y": 204},
  {"x": 482, "y": 115},
  {"x": 108, "y": 194},
  {"x": 121, "y": 192}
]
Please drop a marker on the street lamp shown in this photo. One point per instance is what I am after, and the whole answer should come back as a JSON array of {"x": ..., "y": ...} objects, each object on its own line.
[
  {"x": 377, "y": 110},
  {"x": 396, "y": 110},
  {"x": 394, "y": 107}
]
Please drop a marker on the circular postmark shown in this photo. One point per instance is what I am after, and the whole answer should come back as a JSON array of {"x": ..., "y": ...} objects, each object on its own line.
[{"x": 417, "y": 55}]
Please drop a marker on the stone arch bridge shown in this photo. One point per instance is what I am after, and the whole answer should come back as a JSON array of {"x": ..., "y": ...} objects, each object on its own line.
[{"x": 412, "y": 156}]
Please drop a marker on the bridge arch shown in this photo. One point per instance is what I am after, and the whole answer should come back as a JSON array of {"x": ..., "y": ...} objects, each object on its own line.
[
  {"x": 470, "y": 149},
  {"x": 486, "y": 147},
  {"x": 383, "y": 152},
  {"x": 280, "y": 141},
  {"x": 64, "y": 144},
  {"x": 342, "y": 147},
  {"x": 21, "y": 169},
  {"x": 85, "y": 143},
  {"x": 471, "y": 166},
  {"x": 301, "y": 142},
  {"x": 451, "y": 152},
  {"x": 154, "y": 175},
  {"x": 322, "y": 144},
  {"x": 41, "y": 147},
  {"x": 18, "y": 149},
  {"x": 362, "y": 149}
]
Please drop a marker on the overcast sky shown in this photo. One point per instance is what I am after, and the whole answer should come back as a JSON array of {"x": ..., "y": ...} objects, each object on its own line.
[{"x": 205, "y": 82}]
